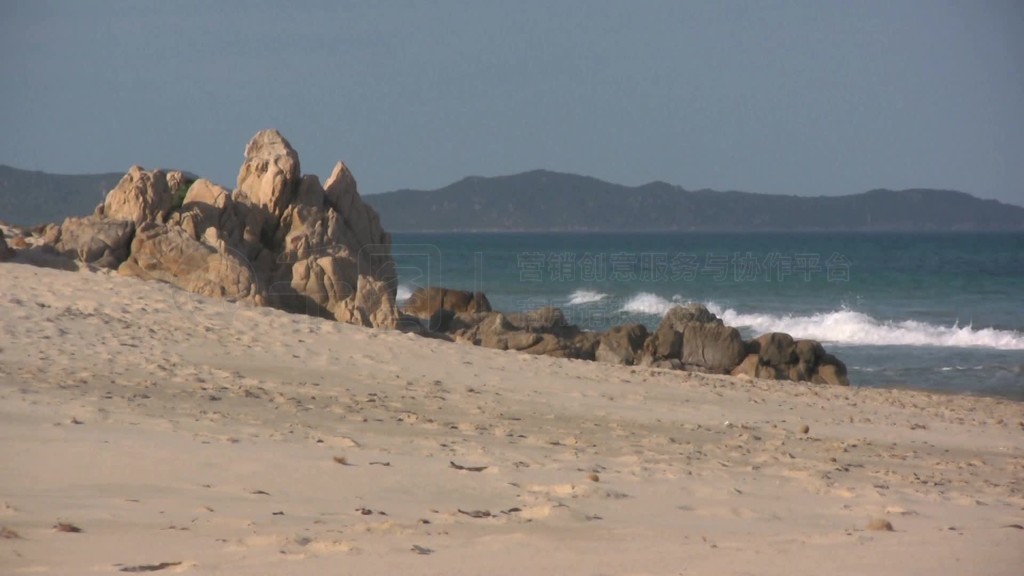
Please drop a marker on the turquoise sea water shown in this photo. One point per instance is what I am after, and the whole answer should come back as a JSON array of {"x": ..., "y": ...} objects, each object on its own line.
[{"x": 935, "y": 311}]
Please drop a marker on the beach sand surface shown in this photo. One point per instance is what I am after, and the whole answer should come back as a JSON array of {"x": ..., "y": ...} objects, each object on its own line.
[{"x": 186, "y": 435}]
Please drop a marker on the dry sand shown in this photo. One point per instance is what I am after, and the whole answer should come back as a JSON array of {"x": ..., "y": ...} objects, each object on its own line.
[{"x": 188, "y": 435}]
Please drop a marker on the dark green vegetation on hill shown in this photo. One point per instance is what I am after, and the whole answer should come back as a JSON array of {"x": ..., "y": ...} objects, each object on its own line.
[
  {"x": 545, "y": 201},
  {"x": 549, "y": 201}
]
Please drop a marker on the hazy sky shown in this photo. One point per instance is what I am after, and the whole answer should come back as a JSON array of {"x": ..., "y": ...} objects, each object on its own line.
[{"x": 793, "y": 97}]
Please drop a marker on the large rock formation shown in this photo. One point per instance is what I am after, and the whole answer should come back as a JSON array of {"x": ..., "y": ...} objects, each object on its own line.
[{"x": 280, "y": 238}]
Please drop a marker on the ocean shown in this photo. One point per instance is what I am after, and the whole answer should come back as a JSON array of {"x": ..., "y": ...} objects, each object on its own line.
[{"x": 935, "y": 311}]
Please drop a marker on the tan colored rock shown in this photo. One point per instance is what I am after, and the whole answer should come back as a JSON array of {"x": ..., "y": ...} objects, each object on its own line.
[
  {"x": 95, "y": 240},
  {"x": 375, "y": 302},
  {"x": 879, "y": 525},
  {"x": 280, "y": 239},
  {"x": 170, "y": 254},
  {"x": 352, "y": 280},
  {"x": 748, "y": 367},
  {"x": 315, "y": 287},
  {"x": 140, "y": 196},
  {"x": 209, "y": 206},
  {"x": 270, "y": 174},
  {"x": 342, "y": 195}
]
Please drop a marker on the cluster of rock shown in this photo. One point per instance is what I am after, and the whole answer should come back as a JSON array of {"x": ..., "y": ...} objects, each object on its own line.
[
  {"x": 280, "y": 238},
  {"x": 688, "y": 338}
]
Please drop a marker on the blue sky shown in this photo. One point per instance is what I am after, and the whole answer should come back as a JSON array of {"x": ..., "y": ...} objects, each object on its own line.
[{"x": 788, "y": 97}]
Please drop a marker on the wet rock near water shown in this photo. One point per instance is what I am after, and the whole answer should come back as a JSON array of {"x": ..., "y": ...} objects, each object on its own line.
[{"x": 689, "y": 338}]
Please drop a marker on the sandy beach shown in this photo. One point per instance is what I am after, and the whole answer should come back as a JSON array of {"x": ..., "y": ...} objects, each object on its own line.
[{"x": 182, "y": 434}]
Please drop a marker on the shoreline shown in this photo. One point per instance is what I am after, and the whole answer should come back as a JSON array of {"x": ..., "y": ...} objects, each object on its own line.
[{"x": 171, "y": 428}]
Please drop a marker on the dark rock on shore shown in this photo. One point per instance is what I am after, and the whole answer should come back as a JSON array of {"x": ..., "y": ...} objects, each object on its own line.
[
  {"x": 621, "y": 344},
  {"x": 425, "y": 302},
  {"x": 688, "y": 338},
  {"x": 692, "y": 338},
  {"x": 778, "y": 356}
]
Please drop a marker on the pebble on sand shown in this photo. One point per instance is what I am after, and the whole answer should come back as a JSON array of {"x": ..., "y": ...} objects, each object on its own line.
[{"x": 880, "y": 525}]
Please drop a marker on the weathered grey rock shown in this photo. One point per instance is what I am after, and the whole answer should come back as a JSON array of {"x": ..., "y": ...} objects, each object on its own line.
[
  {"x": 809, "y": 352},
  {"x": 776, "y": 356},
  {"x": 95, "y": 240},
  {"x": 831, "y": 370},
  {"x": 777, "y": 349},
  {"x": 668, "y": 340},
  {"x": 578, "y": 345},
  {"x": 711, "y": 347},
  {"x": 140, "y": 196},
  {"x": 666, "y": 343},
  {"x": 496, "y": 330},
  {"x": 678, "y": 317},
  {"x": 546, "y": 319},
  {"x": 621, "y": 344}
]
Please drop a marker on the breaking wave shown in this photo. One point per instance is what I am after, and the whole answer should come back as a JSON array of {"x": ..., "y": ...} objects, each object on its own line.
[
  {"x": 843, "y": 326},
  {"x": 585, "y": 297}
]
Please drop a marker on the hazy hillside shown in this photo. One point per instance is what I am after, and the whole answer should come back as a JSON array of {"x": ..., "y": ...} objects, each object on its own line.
[
  {"x": 28, "y": 197},
  {"x": 551, "y": 201}
]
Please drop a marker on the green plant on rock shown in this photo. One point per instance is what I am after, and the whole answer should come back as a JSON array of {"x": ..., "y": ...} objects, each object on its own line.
[{"x": 178, "y": 195}]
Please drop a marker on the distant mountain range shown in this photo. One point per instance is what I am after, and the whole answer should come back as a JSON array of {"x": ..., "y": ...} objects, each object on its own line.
[
  {"x": 29, "y": 198},
  {"x": 550, "y": 201},
  {"x": 544, "y": 201}
]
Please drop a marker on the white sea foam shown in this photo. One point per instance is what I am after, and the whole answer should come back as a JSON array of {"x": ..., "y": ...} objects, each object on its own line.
[
  {"x": 648, "y": 303},
  {"x": 843, "y": 326},
  {"x": 404, "y": 293},
  {"x": 850, "y": 327},
  {"x": 585, "y": 297}
]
